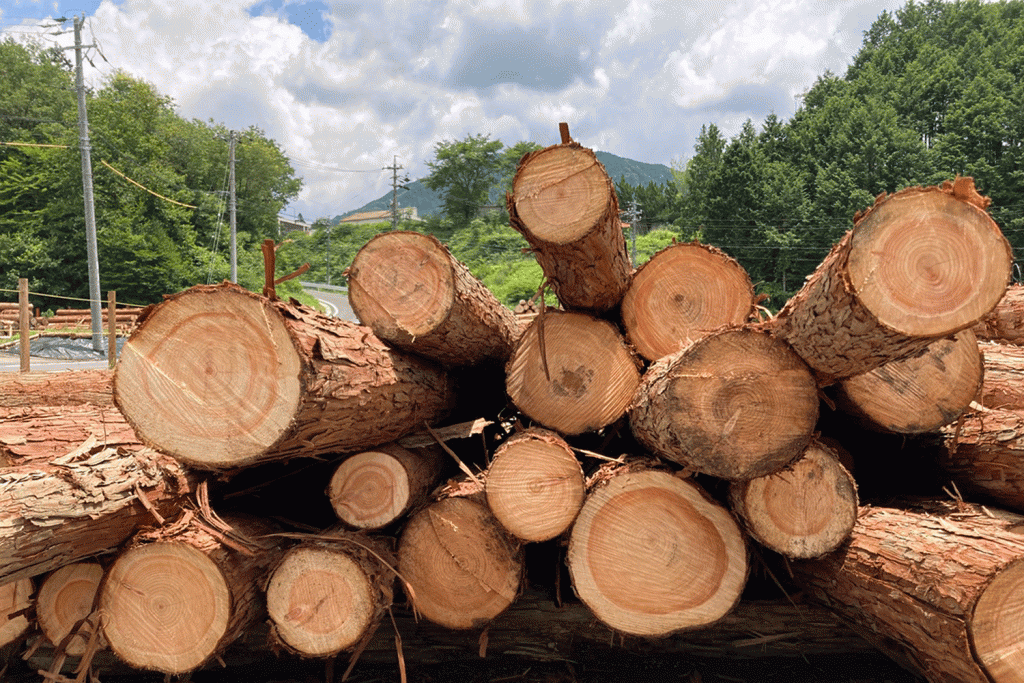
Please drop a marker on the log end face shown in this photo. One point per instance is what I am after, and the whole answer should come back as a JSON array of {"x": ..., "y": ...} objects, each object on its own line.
[
  {"x": 369, "y": 490},
  {"x": 15, "y": 597},
  {"x": 996, "y": 626}
]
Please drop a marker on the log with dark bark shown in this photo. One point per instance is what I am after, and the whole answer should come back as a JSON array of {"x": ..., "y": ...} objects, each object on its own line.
[
  {"x": 1003, "y": 383},
  {"x": 921, "y": 264},
  {"x": 737, "y": 404},
  {"x": 681, "y": 294},
  {"x": 409, "y": 289},
  {"x": 938, "y": 588},
  {"x": 803, "y": 511},
  {"x": 984, "y": 454},
  {"x": 651, "y": 553},
  {"x": 461, "y": 567},
  {"x": 65, "y": 607},
  {"x": 221, "y": 378},
  {"x": 572, "y": 372},
  {"x": 564, "y": 204},
  {"x": 182, "y": 592},
  {"x": 918, "y": 394},
  {"x": 1005, "y": 322}
]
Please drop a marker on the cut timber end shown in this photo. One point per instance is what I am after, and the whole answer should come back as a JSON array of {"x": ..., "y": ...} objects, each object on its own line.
[
  {"x": 650, "y": 554},
  {"x": 997, "y": 623},
  {"x": 66, "y": 597},
  {"x": 15, "y": 598},
  {"x": 211, "y": 377},
  {"x": 681, "y": 294}
]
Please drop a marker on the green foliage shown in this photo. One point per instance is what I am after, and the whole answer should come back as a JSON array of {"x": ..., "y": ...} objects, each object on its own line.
[{"x": 463, "y": 171}]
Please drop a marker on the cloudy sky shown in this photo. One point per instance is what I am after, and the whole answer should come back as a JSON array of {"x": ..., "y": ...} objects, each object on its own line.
[{"x": 348, "y": 86}]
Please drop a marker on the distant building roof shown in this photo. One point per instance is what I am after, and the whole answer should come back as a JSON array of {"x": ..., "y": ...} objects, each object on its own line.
[
  {"x": 405, "y": 212},
  {"x": 286, "y": 225}
]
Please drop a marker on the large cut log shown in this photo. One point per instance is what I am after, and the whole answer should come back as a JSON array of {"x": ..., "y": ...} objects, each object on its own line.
[
  {"x": 651, "y": 553},
  {"x": 15, "y": 601},
  {"x": 681, "y": 294},
  {"x": 534, "y": 485},
  {"x": 921, "y": 264},
  {"x": 372, "y": 489},
  {"x": 938, "y": 589},
  {"x": 737, "y": 404},
  {"x": 1005, "y": 322},
  {"x": 803, "y": 511},
  {"x": 330, "y": 593},
  {"x": 83, "y": 504},
  {"x": 462, "y": 567},
  {"x": 572, "y": 372},
  {"x": 44, "y": 432},
  {"x": 984, "y": 453},
  {"x": 409, "y": 289},
  {"x": 1003, "y": 383},
  {"x": 182, "y": 592},
  {"x": 220, "y": 378},
  {"x": 564, "y": 204},
  {"x": 71, "y": 388},
  {"x": 65, "y": 607},
  {"x": 918, "y": 394}
]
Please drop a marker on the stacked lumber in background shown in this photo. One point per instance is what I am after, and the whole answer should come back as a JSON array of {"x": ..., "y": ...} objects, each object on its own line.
[{"x": 636, "y": 463}]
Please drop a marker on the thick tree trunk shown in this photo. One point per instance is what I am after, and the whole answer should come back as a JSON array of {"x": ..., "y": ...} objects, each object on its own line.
[
  {"x": 572, "y": 373},
  {"x": 937, "y": 589},
  {"x": 221, "y": 378},
  {"x": 372, "y": 489},
  {"x": 921, "y": 264},
  {"x": 1005, "y": 322},
  {"x": 71, "y": 388},
  {"x": 82, "y": 504},
  {"x": 15, "y": 600},
  {"x": 462, "y": 567},
  {"x": 918, "y": 394},
  {"x": 803, "y": 511},
  {"x": 1003, "y": 384},
  {"x": 535, "y": 485},
  {"x": 409, "y": 289},
  {"x": 681, "y": 294},
  {"x": 181, "y": 593},
  {"x": 984, "y": 453},
  {"x": 45, "y": 432},
  {"x": 329, "y": 594},
  {"x": 65, "y": 606},
  {"x": 737, "y": 404},
  {"x": 564, "y": 204},
  {"x": 651, "y": 554}
]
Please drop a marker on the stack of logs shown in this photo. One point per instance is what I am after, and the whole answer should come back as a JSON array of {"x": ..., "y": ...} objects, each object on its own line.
[
  {"x": 65, "y": 318},
  {"x": 659, "y": 433}
]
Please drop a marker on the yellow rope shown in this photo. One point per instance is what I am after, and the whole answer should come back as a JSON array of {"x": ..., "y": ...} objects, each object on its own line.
[
  {"x": 187, "y": 206},
  {"x": 31, "y": 144}
]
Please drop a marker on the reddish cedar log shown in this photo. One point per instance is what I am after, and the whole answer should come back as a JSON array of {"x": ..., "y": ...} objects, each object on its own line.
[
  {"x": 65, "y": 606},
  {"x": 1003, "y": 384},
  {"x": 681, "y": 294},
  {"x": 939, "y": 588},
  {"x": 71, "y": 388},
  {"x": 82, "y": 504},
  {"x": 463, "y": 569},
  {"x": 921, "y": 264},
  {"x": 737, "y": 404},
  {"x": 1005, "y": 322},
  {"x": 803, "y": 511},
  {"x": 572, "y": 372},
  {"x": 409, "y": 289},
  {"x": 221, "y": 378},
  {"x": 15, "y": 600},
  {"x": 181, "y": 593},
  {"x": 918, "y": 394},
  {"x": 651, "y": 554},
  {"x": 372, "y": 489},
  {"x": 984, "y": 453},
  {"x": 44, "y": 432},
  {"x": 564, "y": 204},
  {"x": 534, "y": 485},
  {"x": 329, "y": 593}
]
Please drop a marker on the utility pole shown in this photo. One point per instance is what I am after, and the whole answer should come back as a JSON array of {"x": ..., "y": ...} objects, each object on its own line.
[
  {"x": 328, "y": 253},
  {"x": 394, "y": 167},
  {"x": 634, "y": 214},
  {"x": 231, "y": 207},
  {"x": 92, "y": 252}
]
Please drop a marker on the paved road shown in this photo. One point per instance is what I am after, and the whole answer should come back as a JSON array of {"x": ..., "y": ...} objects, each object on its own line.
[{"x": 336, "y": 304}]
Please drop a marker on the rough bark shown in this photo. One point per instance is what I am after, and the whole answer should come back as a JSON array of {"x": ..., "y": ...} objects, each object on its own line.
[
  {"x": 918, "y": 394},
  {"x": 66, "y": 603},
  {"x": 936, "y": 588},
  {"x": 46, "y": 432},
  {"x": 650, "y": 554},
  {"x": 564, "y": 204},
  {"x": 71, "y": 388},
  {"x": 572, "y": 373},
  {"x": 409, "y": 289},
  {"x": 984, "y": 453},
  {"x": 805, "y": 510},
  {"x": 1005, "y": 322},
  {"x": 1003, "y": 384},
  {"x": 921, "y": 264},
  {"x": 221, "y": 378},
  {"x": 681, "y": 294},
  {"x": 737, "y": 404}
]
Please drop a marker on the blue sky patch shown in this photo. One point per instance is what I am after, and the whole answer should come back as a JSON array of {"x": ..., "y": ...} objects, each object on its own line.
[{"x": 308, "y": 16}]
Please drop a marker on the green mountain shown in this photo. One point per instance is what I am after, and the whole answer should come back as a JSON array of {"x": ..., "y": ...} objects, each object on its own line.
[{"x": 428, "y": 202}]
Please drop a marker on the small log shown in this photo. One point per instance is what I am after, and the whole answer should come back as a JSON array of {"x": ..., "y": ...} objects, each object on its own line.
[
  {"x": 534, "y": 485},
  {"x": 938, "y": 588},
  {"x": 564, "y": 204},
  {"x": 1005, "y": 322},
  {"x": 803, "y": 511},
  {"x": 66, "y": 601},
  {"x": 572, "y": 373},
  {"x": 462, "y": 567},
  {"x": 221, "y": 378},
  {"x": 918, "y": 394},
  {"x": 1003, "y": 383},
  {"x": 15, "y": 600},
  {"x": 409, "y": 289},
  {"x": 46, "y": 432},
  {"x": 681, "y": 294},
  {"x": 372, "y": 489},
  {"x": 651, "y": 554},
  {"x": 71, "y": 388},
  {"x": 737, "y": 404},
  {"x": 984, "y": 453},
  {"x": 329, "y": 594},
  {"x": 921, "y": 264},
  {"x": 181, "y": 593}
]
